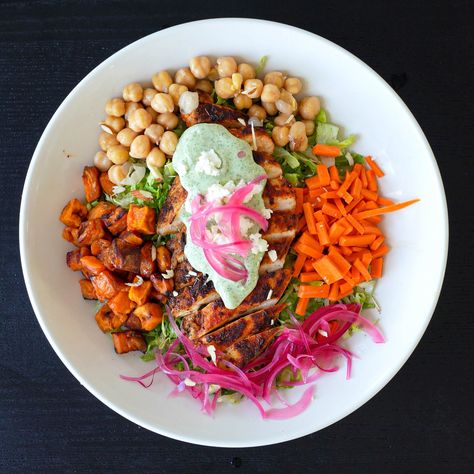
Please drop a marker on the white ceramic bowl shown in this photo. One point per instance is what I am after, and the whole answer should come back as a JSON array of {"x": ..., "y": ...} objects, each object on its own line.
[{"x": 357, "y": 98}]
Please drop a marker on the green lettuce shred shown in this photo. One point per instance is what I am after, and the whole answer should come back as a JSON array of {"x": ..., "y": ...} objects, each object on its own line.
[
  {"x": 261, "y": 65},
  {"x": 159, "y": 338}
]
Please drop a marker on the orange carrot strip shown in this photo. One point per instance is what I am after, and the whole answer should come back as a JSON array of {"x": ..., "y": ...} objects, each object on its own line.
[
  {"x": 375, "y": 245},
  {"x": 363, "y": 270},
  {"x": 356, "y": 188},
  {"x": 340, "y": 206},
  {"x": 322, "y": 233},
  {"x": 375, "y": 219},
  {"x": 323, "y": 174},
  {"x": 371, "y": 229},
  {"x": 356, "y": 240},
  {"x": 307, "y": 239},
  {"x": 381, "y": 251},
  {"x": 334, "y": 185},
  {"x": 327, "y": 269},
  {"x": 308, "y": 266},
  {"x": 313, "y": 182},
  {"x": 298, "y": 264},
  {"x": 374, "y": 167},
  {"x": 384, "y": 201},
  {"x": 299, "y": 195},
  {"x": 347, "y": 182},
  {"x": 355, "y": 275},
  {"x": 366, "y": 259},
  {"x": 326, "y": 150},
  {"x": 371, "y": 205},
  {"x": 345, "y": 290},
  {"x": 307, "y": 250},
  {"x": 341, "y": 263},
  {"x": 384, "y": 210},
  {"x": 353, "y": 204},
  {"x": 363, "y": 178},
  {"x": 334, "y": 292},
  {"x": 335, "y": 231},
  {"x": 308, "y": 214},
  {"x": 376, "y": 268},
  {"x": 302, "y": 306},
  {"x": 355, "y": 223},
  {"x": 329, "y": 195},
  {"x": 359, "y": 249},
  {"x": 308, "y": 291},
  {"x": 370, "y": 195},
  {"x": 306, "y": 277},
  {"x": 301, "y": 224},
  {"x": 331, "y": 210},
  {"x": 320, "y": 217},
  {"x": 334, "y": 174},
  {"x": 372, "y": 185},
  {"x": 345, "y": 251}
]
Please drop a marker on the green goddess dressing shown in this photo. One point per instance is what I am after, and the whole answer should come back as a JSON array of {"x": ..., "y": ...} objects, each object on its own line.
[{"x": 211, "y": 162}]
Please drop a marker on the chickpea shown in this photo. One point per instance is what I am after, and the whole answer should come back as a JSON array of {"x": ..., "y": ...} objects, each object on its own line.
[
  {"x": 310, "y": 126},
  {"x": 101, "y": 162},
  {"x": 213, "y": 74},
  {"x": 162, "y": 103},
  {"x": 200, "y": 66},
  {"x": 107, "y": 140},
  {"x": 130, "y": 107},
  {"x": 257, "y": 111},
  {"x": 225, "y": 88},
  {"x": 154, "y": 133},
  {"x": 175, "y": 91},
  {"x": 148, "y": 95},
  {"x": 126, "y": 136},
  {"x": 293, "y": 85},
  {"x": 309, "y": 107},
  {"x": 289, "y": 99},
  {"x": 226, "y": 66},
  {"x": 285, "y": 119},
  {"x": 270, "y": 93},
  {"x": 270, "y": 108},
  {"x": 140, "y": 147},
  {"x": 117, "y": 154},
  {"x": 247, "y": 71},
  {"x": 115, "y": 123},
  {"x": 185, "y": 77},
  {"x": 153, "y": 113},
  {"x": 275, "y": 78},
  {"x": 283, "y": 107},
  {"x": 117, "y": 173},
  {"x": 168, "y": 143},
  {"x": 297, "y": 136},
  {"x": 168, "y": 120},
  {"x": 139, "y": 120},
  {"x": 253, "y": 88},
  {"x": 162, "y": 81},
  {"x": 156, "y": 158},
  {"x": 133, "y": 92},
  {"x": 242, "y": 101},
  {"x": 204, "y": 85},
  {"x": 237, "y": 81},
  {"x": 115, "y": 107},
  {"x": 280, "y": 135}
]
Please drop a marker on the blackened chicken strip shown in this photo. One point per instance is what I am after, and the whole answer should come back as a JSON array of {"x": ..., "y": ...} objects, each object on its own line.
[
  {"x": 168, "y": 219},
  {"x": 258, "y": 138},
  {"x": 213, "y": 113}
]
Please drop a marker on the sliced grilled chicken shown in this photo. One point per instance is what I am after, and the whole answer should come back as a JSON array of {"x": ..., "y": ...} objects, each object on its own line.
[
  {"x": 176, "y": 246},
  {"x": 243, "y": 351},
  {"x": 281, "y": 248},
  {"x": 253, "y": 323},
  {"x": 278, "y": 195},
  {"x": 282, "y": 225},
  {"x": 184, "y": 275},
  {"x": 213, "y": 113},
  {"x": 268, "y": 163},
  {"x": 263, "y": 141},
  {"x": 269, "y": 290},
  {"x": 168, "y": 220}
]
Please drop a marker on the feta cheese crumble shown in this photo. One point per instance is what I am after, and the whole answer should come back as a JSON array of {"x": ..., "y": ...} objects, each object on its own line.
[
  {"x": 258, "y": 244},
  {"x": 209, "y": 163},
  {"x": 212, "y": 352},
  {"x": 272, "y": 255}
]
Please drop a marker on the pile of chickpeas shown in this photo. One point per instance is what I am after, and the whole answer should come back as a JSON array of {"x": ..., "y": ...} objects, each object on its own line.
[{"x": 140, "y": 124}]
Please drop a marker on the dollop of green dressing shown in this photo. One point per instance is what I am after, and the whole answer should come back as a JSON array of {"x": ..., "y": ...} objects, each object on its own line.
[{"x": 237, "y": 165}]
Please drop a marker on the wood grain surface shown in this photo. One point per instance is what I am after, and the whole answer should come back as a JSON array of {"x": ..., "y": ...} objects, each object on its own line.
[{"x": 421, "y": 422}]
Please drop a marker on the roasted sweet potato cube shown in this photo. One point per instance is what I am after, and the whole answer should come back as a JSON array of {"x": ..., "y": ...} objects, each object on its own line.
[
  {"x": 162, "y": 285},
  {"x": 107, "y": 320},
  {"x": 70, "y": 234},
  {"x": 102, "y": 209},
  {"x": 149, "y": 315},
  {"x": 90, "y": 231},
  {"x": 73, "y": 213},
  {"x": 99, "y": 245},
  {"x": 87, "y": 290},
  {"x": 158, "y": 297},
  {"x": 163, "y": 258},
  {"x": 106, "y": 184},
  {"x": 121, "y": 303},
  {"x": 92, "y": 265},
  {"x": 128, "y": 341},
  {"x": 90, "y": 180},
  {"x": 124, "y": 256},
  {"x": 73, "y": 258},
  {"x": 141, "y": 219},
  {"x": 132, "y": 238},
  {"x": 147, "y": 262},
  {"x": 116, "y": 221},
  {"x": 140, "y": 294},
  {"x": 107, "y": 285}
]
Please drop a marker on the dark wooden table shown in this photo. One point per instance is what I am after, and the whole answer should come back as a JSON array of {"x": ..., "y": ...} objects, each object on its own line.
[{"x": 421, "y": 422}]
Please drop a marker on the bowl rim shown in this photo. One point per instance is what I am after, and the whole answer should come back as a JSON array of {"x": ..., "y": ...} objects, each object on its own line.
[{"x": 276, "y": 438}]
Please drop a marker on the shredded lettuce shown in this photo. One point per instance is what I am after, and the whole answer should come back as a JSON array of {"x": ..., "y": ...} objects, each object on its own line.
[
  {"x": 261, "y": 65},
  {"x": 159, "y": 338},
  {"x": 342, "y": 164},
  {"x": 297, "y": 166},
  {"x": 179, "y": 130}
]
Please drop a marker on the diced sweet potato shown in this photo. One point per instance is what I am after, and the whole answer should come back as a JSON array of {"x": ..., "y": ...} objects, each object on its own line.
[
  {"x": 147, "y": 263},
  {"x": 90, "y": 231},
  {"x": 162, "y": 285},
  {"x": 87, "y": 290},
  {"x": 107, "y": 320},
  {"x": 127, "y": 341},
  {"x": 157, "y": 296},
  {"x": 107, "y": 285},
  {"x": 73, "y": 258},
  {"x": 131, "y": 238},
  {"x": 163, "y": 258},
  {"x": 107, "y": 185},
  {"x": 140, "y": 294},
  {"x": 73, "y": 213},
  {"x": 90, "y": 180},
  {"x": 92, "y": 265},
  {"x": 141, "y": 219},
  {"x": 104, "y": 208},
  {"x": 70, "y": 234},
  {"x": 121, "y": 303},
  {"x": 148, "y": 315},
  {"x": 124, "y": 256},
  {"x": 99, "y": 246},
  {"x": 116, "y": 222}
]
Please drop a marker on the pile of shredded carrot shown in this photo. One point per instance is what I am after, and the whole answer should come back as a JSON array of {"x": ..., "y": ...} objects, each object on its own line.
[{"x": 341, "y": 244}]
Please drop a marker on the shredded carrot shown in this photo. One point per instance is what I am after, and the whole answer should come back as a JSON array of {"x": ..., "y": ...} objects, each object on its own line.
[
  {"x": 307, "y": 239},
  {"x": 299, "y": 194},
  {"x": 308, "y": 291},
  {"x": 322, "y": 233},
  {"x": 334, "y": 292},
  {"x": 374, "y": 167},
  {"x": 306, "y": 277},
  {"x": 362, "y": 269},
  {"x": 327, "y": 269},
  {"x": 376, "y": 268},
  {"x": 355, "y": 223},
  {"x": 298, "y": 265},
  {"x": 345, "y": 289},
  {"x": 308, "y": 214},
  {"x": 356, "y": 240},
  {"x": 313, "y": 182},
  {"x": 302, "y": 306},
  {"x": 334, "y": 174},
  {"x": 381, "y": 251},
  {"x": 377, "y": 243},
  {"x": 384, "y": 201},
  {"x": 342, "y": 264},
  {"x": 366, "y": 259},
  {"x": 370, "y": 195},
  {"x": 307, "y": 250},
  {"x": 331, "y": 210},
  {"x": 340, "y": 206},
  {"x": 385, "y": 210},
  {"x": 326, "y": 150},
  {"x": 323, "y": 174},
  {"x": 372, "y": 181}
]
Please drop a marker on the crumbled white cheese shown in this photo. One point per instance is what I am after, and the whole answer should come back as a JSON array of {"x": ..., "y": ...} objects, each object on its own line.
[
  {"x": 189, "y": 383},
  {"x": 212, "y": 352},
  {"x": 323, "y": 332},
  {"x": 153, "y": 253},
  {"x": 267, "y": 213},
  {"x": 258, "y": 244},
  {"x": 188, "y": 101},
  {"x": 272, "y": 322},
  {"x": 272, "y": 255},
  {"x": 241, "y": 121},
  {"x": 270, "y": 293},
  {"x": 180, "y": 168},
  {"x": 218, "y": 193},
  {"x": 168, "y": 274},
  {"x": 192, "y": 273},
  {"x": 213, "y": 388},
  {"x": 175, "y": 293},
  {"x": 208, "y": 163},
  {"x": 245, "y": 225}
]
